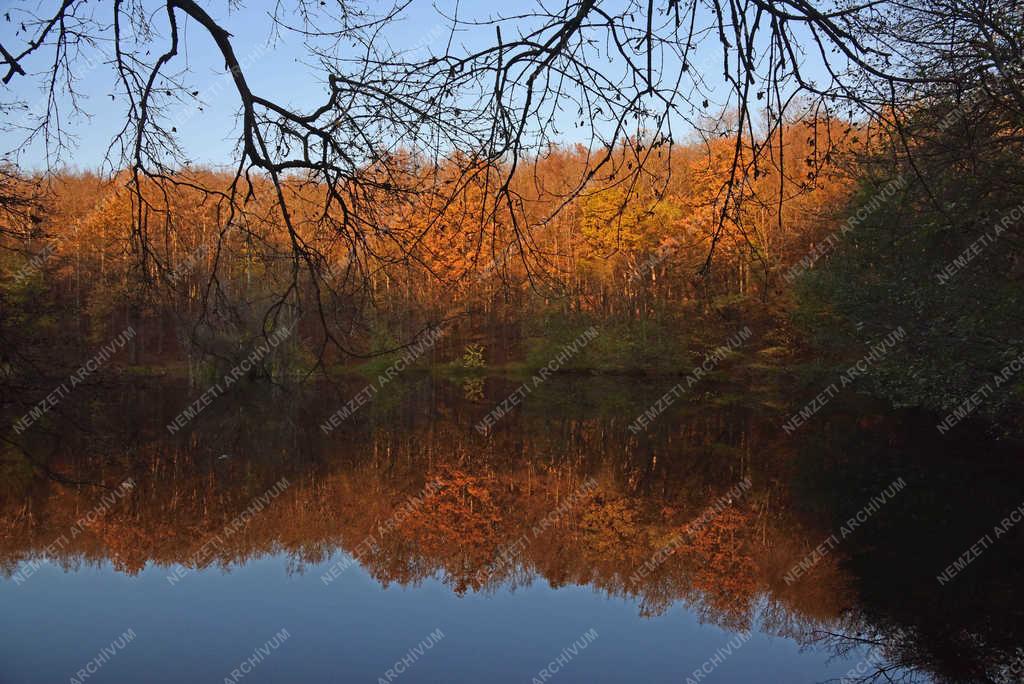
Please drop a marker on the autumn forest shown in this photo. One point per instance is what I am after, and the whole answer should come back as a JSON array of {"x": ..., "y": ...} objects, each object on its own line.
[{"x": 596, "y": 340}]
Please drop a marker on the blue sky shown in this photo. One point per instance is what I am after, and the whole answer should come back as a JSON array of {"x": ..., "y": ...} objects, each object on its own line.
[
  {"x": 279, "y": 68},
  {"x": 275, "y": 68}
]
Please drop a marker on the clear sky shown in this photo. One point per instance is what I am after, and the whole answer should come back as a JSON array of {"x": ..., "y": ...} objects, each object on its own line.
[{"x": 277, "y": 65}]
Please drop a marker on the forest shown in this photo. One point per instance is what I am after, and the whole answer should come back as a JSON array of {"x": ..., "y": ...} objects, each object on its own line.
[
  {"x": 444, "y": 193},
  {"x": 850, "y": 238},
  {"x": 693, "y": 327}
]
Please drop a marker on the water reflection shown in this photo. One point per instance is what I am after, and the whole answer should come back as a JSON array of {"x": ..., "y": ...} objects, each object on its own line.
[{"x": 560, "y": 491}]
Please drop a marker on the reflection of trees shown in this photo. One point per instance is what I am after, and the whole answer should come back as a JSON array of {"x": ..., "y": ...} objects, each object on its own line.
[
  {"x": 893, "y": 654},
  {"x": 881, "y": 655},
  {"x": 460, "y": 527},
  {"x": 968, "y": 630},
  {"x": 489, "y": 493}
]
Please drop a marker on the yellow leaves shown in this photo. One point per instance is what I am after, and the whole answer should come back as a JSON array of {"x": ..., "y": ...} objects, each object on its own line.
[{"x": 608, "y": 528}]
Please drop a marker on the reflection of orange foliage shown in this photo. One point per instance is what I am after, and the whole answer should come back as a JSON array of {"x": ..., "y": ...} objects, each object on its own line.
[
  {"x": 820, "y": 594},
  {"x": 483, "y": 525},
  {"x": 126, "y": 543},
  {"x": 608, "y": 528},
  {"x": 712, "y": 566},
  {"x": 462, "y": 521},
  {"x": 726, "y": 574}
]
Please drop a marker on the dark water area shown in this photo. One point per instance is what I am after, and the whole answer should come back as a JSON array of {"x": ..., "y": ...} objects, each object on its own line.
[{"x": 559, "y": 545}]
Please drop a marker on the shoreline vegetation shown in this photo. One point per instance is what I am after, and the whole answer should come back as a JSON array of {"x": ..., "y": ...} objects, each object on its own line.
[
  {"x": 858, "y": 250},
  {"x": 700, "y": 310}
]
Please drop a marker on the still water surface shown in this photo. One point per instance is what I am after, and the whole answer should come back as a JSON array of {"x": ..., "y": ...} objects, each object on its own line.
[{"x": 405, "y": 546}]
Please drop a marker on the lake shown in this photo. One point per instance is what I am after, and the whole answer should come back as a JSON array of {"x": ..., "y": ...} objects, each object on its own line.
[{"x": 415, "y": 540}]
